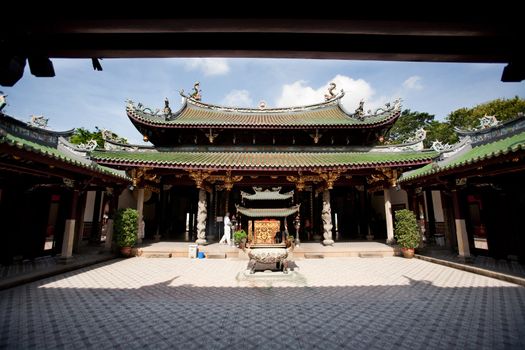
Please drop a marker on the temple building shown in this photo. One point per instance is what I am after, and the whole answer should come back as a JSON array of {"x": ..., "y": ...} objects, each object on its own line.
[
  {"x": 317, "y": 172},
  {"x": 205, "y": 158}
]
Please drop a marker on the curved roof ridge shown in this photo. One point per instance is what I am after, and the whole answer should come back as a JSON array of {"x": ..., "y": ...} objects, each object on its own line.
[{"x": 333, "y": 101}]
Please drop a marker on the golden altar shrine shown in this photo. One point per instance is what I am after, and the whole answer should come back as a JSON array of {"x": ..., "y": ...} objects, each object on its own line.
[{"x": 264, "y": 231}]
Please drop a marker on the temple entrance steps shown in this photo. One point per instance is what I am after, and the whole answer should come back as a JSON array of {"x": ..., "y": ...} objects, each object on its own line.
[{"x": 363, "y": 249}]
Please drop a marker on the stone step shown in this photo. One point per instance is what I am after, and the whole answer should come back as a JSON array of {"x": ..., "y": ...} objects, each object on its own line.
[
  {"x": 216, "y": 256},
  {"x": 313, "y": 256},
  {"x": 371, "y": 255}
]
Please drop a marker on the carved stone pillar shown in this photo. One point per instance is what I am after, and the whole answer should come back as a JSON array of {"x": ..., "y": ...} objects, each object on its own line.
[
  {"x": 326, "y": 216},
  {"x": 140, "y": 209},
  {"x": 113, "y": 207},
  {"x": 201, "y": 218},
  {"x": 388, "y": 217}
]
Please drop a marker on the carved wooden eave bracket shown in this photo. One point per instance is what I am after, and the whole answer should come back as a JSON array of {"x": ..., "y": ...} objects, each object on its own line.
[
  {"x": 300, "y": 180},
  {"x": 210, "y": 135},
  {"x": 316, "y": 137},
  {"x": 388, "y": 175},
  {"x": 329, "y": 177},
  {"x": 139, "y": 175},
  {"x": 199, "y": 176},
  {"x": 228, "y": 180}
]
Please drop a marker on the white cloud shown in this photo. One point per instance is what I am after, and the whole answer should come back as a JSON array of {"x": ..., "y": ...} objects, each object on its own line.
[
  {"x": 299, "y": 93},
  {"x": 414, "y": 83},
  {"x": 208, "y": 66},
  {"x": 238, "y": 98}
]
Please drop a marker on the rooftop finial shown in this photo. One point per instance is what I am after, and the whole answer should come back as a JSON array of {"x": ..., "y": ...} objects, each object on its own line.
[
  {"x": 196, "y": 94},
  {"x": 330, "y": 95},
  {"x": 488, "y": 121},
  {"x": 262, "y": 104},
  {"x": 360, "y": 111},
  {"x": 38, "y": 121},
  {"x": 167, "y": 109},
  {"x": 2, "y": 100}
]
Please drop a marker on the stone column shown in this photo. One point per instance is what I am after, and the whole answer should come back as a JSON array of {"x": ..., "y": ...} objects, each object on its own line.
[
  {"x": 95, "y": 221},
  {"x": 140, "y": 209},
  {"x": 461, "y": 229},
  {"x": 69, "y": 230},
  {"x": 326, "y": 216},
  {"x": 388, "y": 216},
  {"x": 79, "y": 224},
  {"x": 201, "y": 218},
  {"x": 113, "y": 207}
]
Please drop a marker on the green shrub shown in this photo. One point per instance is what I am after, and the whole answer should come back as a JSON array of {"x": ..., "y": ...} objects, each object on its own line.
[
  {"x": 406, "y": 230},
  {"x": 126, "y": 227},
  {"x": 239, "y": 235}
]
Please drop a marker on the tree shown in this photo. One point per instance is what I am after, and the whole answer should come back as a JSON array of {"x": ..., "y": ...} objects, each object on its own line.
[
  {"x": 439, "y": 131},
  {"x": 503, "y": 109},
  {"x": 407, "y": 124},
  {"x": 83, "y": 135}
]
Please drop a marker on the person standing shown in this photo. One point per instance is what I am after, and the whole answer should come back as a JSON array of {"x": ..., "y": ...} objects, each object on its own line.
[{"x": 226, "y": 237}]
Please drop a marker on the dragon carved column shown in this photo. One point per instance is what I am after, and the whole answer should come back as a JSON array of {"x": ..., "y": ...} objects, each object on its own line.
[
  {"x": 326, "y": 216},
  {"x": 202, "y": 213}
]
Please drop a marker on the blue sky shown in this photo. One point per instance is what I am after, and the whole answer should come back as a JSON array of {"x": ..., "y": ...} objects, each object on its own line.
[{"x": 80, "y": 97}]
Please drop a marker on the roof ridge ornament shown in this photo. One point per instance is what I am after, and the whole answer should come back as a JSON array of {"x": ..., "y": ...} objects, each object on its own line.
[
  {"x": 3, "y": 100},
  {"x": 487, "y": 121},
  {"x": 38, "y": 121},
  {"x": 167, "y": 109},
  {"x": 420, "y": 135},
  {"x": 196, "y": 93},
  {"x": 330, "y": 95},
  {"x": 360, "y": 111}
]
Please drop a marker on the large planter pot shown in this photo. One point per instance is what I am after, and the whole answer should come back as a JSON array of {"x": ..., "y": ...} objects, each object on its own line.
[
  {"x": 125, "y": 252},
  {"x": 408, "y": 252}
]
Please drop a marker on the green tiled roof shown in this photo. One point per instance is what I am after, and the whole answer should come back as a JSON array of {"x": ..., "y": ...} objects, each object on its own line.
[
  {"x": 475, "y": 155},
  {"x": 262, "y": 160},
  {"x": 267, "y": 212},
  {"x": 53, "y": 153},
  {"x": 323, "y": 115}
]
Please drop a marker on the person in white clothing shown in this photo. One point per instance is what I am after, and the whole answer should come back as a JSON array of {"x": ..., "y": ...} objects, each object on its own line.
[{"x": 227, "y": 230}]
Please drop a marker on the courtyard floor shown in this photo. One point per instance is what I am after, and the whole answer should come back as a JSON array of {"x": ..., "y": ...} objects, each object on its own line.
[{"x": 352, "y": 303}]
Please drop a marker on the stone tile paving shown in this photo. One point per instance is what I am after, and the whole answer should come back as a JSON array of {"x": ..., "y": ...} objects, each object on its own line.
[
  {"x": 509, "y": 267},
  {"x": 347, "y": 303}
]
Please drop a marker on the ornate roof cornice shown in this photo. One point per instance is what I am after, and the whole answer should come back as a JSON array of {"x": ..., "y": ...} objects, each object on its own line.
[
  {"x": 490, "y": 129},
  {"x": 267, "y": 194}
]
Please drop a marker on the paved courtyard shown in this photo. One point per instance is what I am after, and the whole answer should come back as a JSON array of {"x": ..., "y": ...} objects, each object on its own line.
[{"x": 351, "y": 303}]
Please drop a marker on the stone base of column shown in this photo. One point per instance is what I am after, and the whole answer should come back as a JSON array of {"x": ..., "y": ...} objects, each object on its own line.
[
  {"x": 109, "y": 235},
  {"x": 328, "y": 242},
  {"x": 465, "y": 259},
  {"x": 65, "y": 260},
  {"x": 201, "y": 241},
  {"x": 390, "y": 241}
]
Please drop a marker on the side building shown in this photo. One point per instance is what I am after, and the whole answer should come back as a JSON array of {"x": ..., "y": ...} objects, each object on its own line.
[
  {"x": 478, "y": 184},
  {"x": 45, "y": 183}
]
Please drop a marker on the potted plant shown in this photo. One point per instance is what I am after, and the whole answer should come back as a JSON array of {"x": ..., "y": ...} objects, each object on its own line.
[
  {"x": 239, "y": 237},
  {"x": 407, "y": 232},
  {"x": 126, "y": 229}
]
